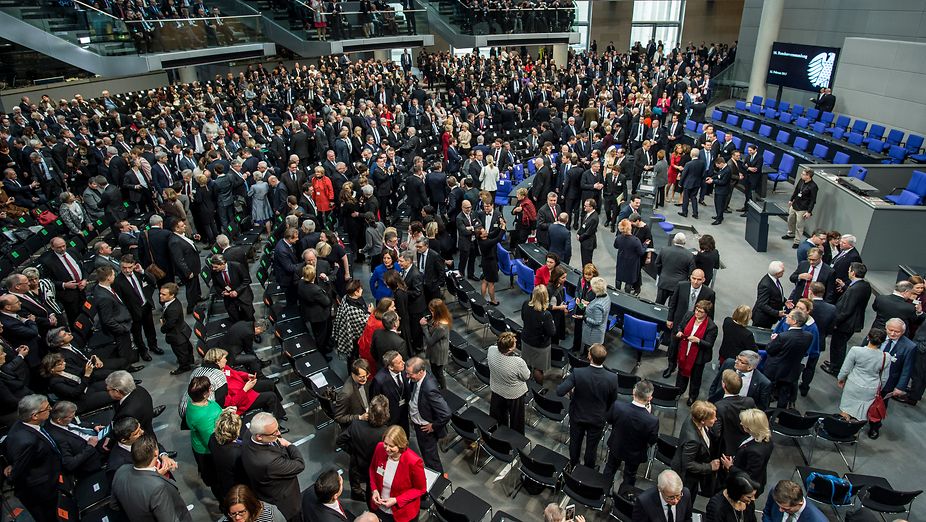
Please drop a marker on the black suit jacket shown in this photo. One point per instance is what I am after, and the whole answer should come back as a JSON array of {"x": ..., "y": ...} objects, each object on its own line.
[
  {"x": 113, "y": 314},
  {"x": 850, "y": 308},
  {"x": 648, "y": 507},
  {"x": 139, "y": 406},
  {"x": 240, "y": 282},
  {"x": 359, "y": 440},
  {"x": 237, "y": 254},
  {"x": 769, "y": 301},
  {"x": 433, "y": 276},
  {"x": 678, "y": 303},
  {"x": 727, "y": 427},
  {"x": 760, "y": 388},
  {"x": 386, "y": 340},
  {"x": 840, "y": 265},
  {"x": 274, "y": 473},
  {"x": 588, "y": 231},
  {"x": 634, "y": 431},
  {"x": 313, "y": 510},
  {"x": 431, "y": 404},
  {"x": 384, "y": 384},
  {"x": 752, "y": 458},
  {"x": 18, "y": 333},
  {"x": 785, "y": 353},
  {"x": 594, "y": 391},
  {"x": 129, "y": 296},
  {"x": 77, "y": 457},
  {"x": 36, "y": 464},
  {"x": 543, "y": 181},
  {"x": 348, "y": 406},
  {"x": 59, "y": 274},
  {"x": 890, "y": 306},
  {"x": 417, "y": 306},
  {"x": 825, "y": 277},
  {"x": 185, "y": 257},
  {"x": 173, "y": 326},
  {"x": 226, "y": 459},
  {"x": 155, "y": 248}
]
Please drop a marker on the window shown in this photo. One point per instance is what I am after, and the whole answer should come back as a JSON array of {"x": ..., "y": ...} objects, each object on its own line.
[
  {"x": 657, "y": 10},
  {"x": 658, "y": 20}
]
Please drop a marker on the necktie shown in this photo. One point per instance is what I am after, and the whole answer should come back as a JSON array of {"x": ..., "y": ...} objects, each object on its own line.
[
  {"x": 115, "y": 295},
  {"x": 889, "y": 349},
  {"x": 227, "y": 280},
  {"x": 809, "y": 282},
  {"x": 137, "y": 289},
  {"x": 741, "y": 374},
  {"x": 70, "y": 267},
  {"x": 669, "y": 516},
  {"x": 778, "y": 284},
  {"x": 791, "y": 517},
  {"x": 398, "y": 380},
  {"x": 422, "y": 261},
  {"x": 50, "y": 440},
  {"x": 692, "y": 297}
]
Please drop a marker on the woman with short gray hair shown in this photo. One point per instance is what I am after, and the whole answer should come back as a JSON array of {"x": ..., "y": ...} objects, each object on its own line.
[{"x": 596, "y": 313}]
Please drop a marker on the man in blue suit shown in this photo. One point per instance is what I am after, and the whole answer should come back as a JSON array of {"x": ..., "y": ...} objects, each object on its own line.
[
  {"x": 593, "y": 390},
  {"x": 902, "y": 353},
  {"x": 692, "y": 175},
  {"x": 635, "y": 429},
  {"x": 824, "y": 314},
  {"x": 560, "y": 238},
  {"x": 285, "y": 260},
  {"x": 428, "y": 412},
  {"x": 786, "y": 503}
]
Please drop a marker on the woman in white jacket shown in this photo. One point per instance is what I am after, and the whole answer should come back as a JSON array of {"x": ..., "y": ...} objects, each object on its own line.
[{"x": 488, "y": 178}]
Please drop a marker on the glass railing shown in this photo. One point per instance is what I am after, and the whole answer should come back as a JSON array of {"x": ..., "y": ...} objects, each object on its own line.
[
  {"x": 724, "y": 85},
  {"x": 469, "y": 19},
  {"x": 105, "y": 34},
  {"x": 351, "y": 23}
]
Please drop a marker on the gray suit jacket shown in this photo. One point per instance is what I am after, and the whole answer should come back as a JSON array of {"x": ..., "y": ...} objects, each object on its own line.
[
  {"x": 146, "y": 496},
  {"x": 674, "y": 264}
]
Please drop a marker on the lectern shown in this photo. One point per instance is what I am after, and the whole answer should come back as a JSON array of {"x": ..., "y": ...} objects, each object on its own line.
[{"x": 757, "y": 223}]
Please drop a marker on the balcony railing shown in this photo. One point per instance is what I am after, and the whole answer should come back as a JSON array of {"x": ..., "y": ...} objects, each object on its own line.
[
  {"x": 354, "y": 24},
  {"x": 479, "y": 21}
]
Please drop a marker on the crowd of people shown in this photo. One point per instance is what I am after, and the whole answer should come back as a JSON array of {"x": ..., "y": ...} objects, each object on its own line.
[{"x": 327, "y": 162}]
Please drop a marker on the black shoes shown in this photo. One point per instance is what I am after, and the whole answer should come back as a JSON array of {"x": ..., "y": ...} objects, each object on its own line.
[
  {"x": 683, "y": 214},
  {"x": 181, "y": 370},
  {"x": 158, "y": 410},
  {"x": 157, "y": 351},
  {"x": 668, "y": 372},
  {"x": 787, "y": 236},
  {"x": 135, "y": 368},
  {"x": 829, "y": 369},
  {"x": 794, "y": 246},
  {"x": 874, "y": 434},
  {"x": 145, "y": 356}
]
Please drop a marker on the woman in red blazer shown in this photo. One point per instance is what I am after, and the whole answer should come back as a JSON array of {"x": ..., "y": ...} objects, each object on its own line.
[{"x": 396, "y": 478}]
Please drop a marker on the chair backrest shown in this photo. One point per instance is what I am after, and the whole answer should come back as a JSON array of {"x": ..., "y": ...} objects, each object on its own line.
[
  {"x": 716, "y": 115},
  {"x": 770, "y": 103},
  {"x": 840, "y": 158},
  {"x": 858, "y": 172},
  {"x": 914, "y": 143},
  {"x": 482, "y": 369},
  {"x": 897, "y": 154},
  {"x": 813, "y": 114},
  {"x": 665, "y": 447},
  {"x": 876, "y": 131},
  {"x": 838, "y": 133},
  {"x": 895, "y": 137},
  {"x": 720, "y": 135},
  {"x": 749, "y": 125},
  {"x": 795, "y": 422},
  {"x": 700, "y": 128},
  {"x": 537, "y": 467},
  {"x": 765, "y": 130},
  {"x": 802, "y": 122},
  {"x": 732, "y": 119},
  {"x": 797, "y": 111},
  {"x": 906, "y": 198},
  {"x": 459, "y": 355},
  {"x": 525, "y": 276},
  {"x": 587, "y": 491},
  {"x": 737, "y": 142},
  {"x": 755, "y": 109},
  {"x": 740, "y": 105},
  {"x": 639, "y": 334},
  {"x": 917, "y": 184},
  {"x": 784, "y": 106},
  {"x": 479, "y": 310},
  {"x": 842, "y": 121},
  {"x": 819, "y": 127},
  {"x": 504, "y": 260},
  {"x": 626, "y": 380},
  {"x": 447, "y": 515},
  {"x": 548, "y": 404},
  {"x": 820, "y": 150},
  {"x": 665, "y": 392},
  {"x": 842, "y": 429},
  {"x": 497, "y": 445},
  {"x": 768, "y": 157},
  {"x": 855, "y": 138},
  {"x": 757, "y": 100},
  {"x": 889, "y": 497},
  {"x": 785, "y": 117},
  {"x": 859, "y": 126},
  {"x": 691, "y": 125},
  {"x": 801, "y": 143},
  {"x": 497, "y": 320},
  {"x": 876, "y": 146},
  {"x": 827, "y": 117},
  {"x": 576, "y": 362},
  {"x": 786, "y": 165}
]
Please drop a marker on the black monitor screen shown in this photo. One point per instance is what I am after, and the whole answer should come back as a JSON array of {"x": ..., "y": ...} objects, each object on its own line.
[{"x": 799, "y": 66}]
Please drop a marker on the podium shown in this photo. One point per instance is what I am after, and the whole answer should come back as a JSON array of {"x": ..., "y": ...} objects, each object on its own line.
[{"x": 757, "y": 223}]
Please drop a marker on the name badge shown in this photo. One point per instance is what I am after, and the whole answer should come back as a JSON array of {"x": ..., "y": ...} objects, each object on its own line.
[
  {"x": 401, "y": 402},
  {"x": 380, "y": 470}
]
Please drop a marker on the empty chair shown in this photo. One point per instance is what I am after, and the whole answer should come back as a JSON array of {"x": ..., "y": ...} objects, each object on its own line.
[
  {"x": 784, "y": 107},
  {"x": 800, "y": 144},
  {"x": 765, "y": 130},
  {"x": 691, "y": 125},
  {"x": 642, "y": 336},
  {"x": 462, "y": 506},
  {"x": 531, "y": 168},
  {"x": 664, "y": 452},
  {"x": 542, "y": 466},
  {"x": 839, "y": 133},
  {"x": 504, "y": 262},
  {"x": 876, "y": 146},
  {"x": 716, "y": 115},
  {"x": 886, "y": 500},
  {"x": 552, "y": 408},
  {"x": 770, "y": 103},
  {"x": 665, "y": 397},
  {"x": 860, "y": 125},
  {"x": 827, "y": 118},
  {"x": 875, "y": 133},
  {"x": 784, "y": 171},
  {"x": 896, "y": 154},
  {"x": 740, "y": 105},
  {"x": 720, "y": 134},
  {"x": 524, "y": 274},
  {"x": 855, "y": 138},
  {"x": 858, "y": 172},
  {"x": 757, "y": 100},
  {"x": 768, "y": 158},
  {"x": 913, "y": 146},
  {"x": 502, "y": 443},
  {"x": 733, "y": 119},
  {"x": 840, "y": 158},
  {"x": 794, "y": 426},
  {"x": 755, "y": 109},
  {"x": 895, "y": 137},
  {"x": 502, "y": 192},
  {"x": 797, "y": 111},
  {"x": 813, "y": 114},
  {"x": 840, "y": 432},
  {"x": 842, "y": 122},
  {"x": 819, "y": 127},
  {"x": 820, "y": 151},
  {"x": 749, "y": 125},
  {"x": 785, "y": 117},
  {"x": 737, "y": 142},
  {"x": 626, "y": 382},
  {"x": 518, "y": 173},
  {"x": 770, "y": 112},
  {"x": 802, "y": 122},
  {"x": 700, "y": 128},
  {"x": 586, "y": 486},
  {"x": 913, "y": 193}
]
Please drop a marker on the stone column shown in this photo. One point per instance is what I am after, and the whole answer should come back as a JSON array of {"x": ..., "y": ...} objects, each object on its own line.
[{"x": 769, "y": 23}]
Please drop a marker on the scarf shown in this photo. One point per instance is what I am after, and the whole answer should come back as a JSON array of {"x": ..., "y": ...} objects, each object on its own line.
[{"x": 688, "y": 352}]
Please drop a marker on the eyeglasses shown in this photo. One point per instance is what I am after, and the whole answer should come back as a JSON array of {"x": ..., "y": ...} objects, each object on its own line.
[
  {"x": 238, "y": 514},
  {"x": 672, "y": 497}
]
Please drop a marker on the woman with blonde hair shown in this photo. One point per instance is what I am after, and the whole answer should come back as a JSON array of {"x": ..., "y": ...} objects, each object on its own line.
[
  {"x": 225, "y": 445},
  {"x": 537, "y": 335},
  {"x": 736, "y": 334},
  {"x": 464, "y": 139},
  {"x": 695, "y": 459},
  {"x": 488, "y": 177},
  {"x": 397, "y": 480},
  {"x": 584, "y": 296},
  {"x": 753, "y": 454},
  {"x": 72, "y": 213}
]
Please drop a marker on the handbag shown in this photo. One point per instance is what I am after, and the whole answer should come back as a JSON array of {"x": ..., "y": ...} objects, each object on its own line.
[
  {"x": 878, "y": 410},
  {"x": 46, "y": 217},
  {"x": 153, "y": 269}
]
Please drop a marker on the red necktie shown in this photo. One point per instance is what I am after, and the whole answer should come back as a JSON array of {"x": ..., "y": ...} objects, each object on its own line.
[
  {"x": 227, "y": 280},
  {"x": 115, "y": 295},
  {"x": 70, "y": 267},
  {"x": 809, "y": 282}
]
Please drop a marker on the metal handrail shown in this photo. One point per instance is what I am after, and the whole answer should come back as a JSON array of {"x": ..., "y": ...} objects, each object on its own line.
[
  {"x": 90, "y": 7},
  {"x": 159, "y": 20}
]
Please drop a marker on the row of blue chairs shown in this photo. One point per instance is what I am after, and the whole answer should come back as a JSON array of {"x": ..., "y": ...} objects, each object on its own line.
[{"x": 827, "y": 123}]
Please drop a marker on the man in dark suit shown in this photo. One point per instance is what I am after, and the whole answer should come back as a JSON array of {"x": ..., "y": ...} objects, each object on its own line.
[
  {"x": 113, "y": 315},
  {"x": 320, "y": 500},
  {"x": 691, "y": 180},
  {"x": 721, "y": 181},
  {"x": 770, "y": 301},
  {"x": 634, "y": 429},
  {"x": 76, "y": 443},
  {"x": 824, "y": 315},
  {"x": 682, "y": 301},
  {"x": 587, "y": 233},
  {"x": 850, "y": 316},
  {"x": 673, "y": 265},
  {"x": 417, "y": 304},
  {"x": 176, "y": 332},
  {"x": 154, "y": 247},
  {"x": 467, "y": 223},
  {"x": 416, "y": 194},
  {"x": 34, "y": 459},
  {"x": 135, "y": 288},
  {"x": 825, "y": 101},
  {"x": 847, "y": 255},
  {"x": 785, "y": 351},
  {"x": 233, "y": 253},
  {"x": 353, "y": 401},
  {"x": 62, "y": 266},
  {"x": 284, "y": 263},
  {"x": 752, "y": 174},
  {"x": 543, "y": 182},
  {"x": 388, "y": 338},
  {"x": 901, "y": 351},
  {"x": 807, "y": 273},
  {"x": 560, "y": 238},
  {"x": 898, "y": 304},
  {"x": 144, "y": 493},
  {"x": 391, "y": 382},
  {"x": 593, "y": 390},
  {"x": 232, "y": 282},
  {"x": 187, "y": 264},
  {"x": 20, "y": 331},
  {"x": 546, "y": 216},
  {"x": 239, "y": 342},
  {"x": 273, "y": 465},
  {"x": 591, "y": 183},
  {"x": 359, "y": 441},
  {"x": 427, "y": 411},
  {"x": 132, "y": 400},
  {"x": 668, "y": 501},
  {"x": 728, "y": 427},
  {"x": 786, "y": 503},
  {"x": 431, "y": 266},
  {"x": 643, "y": 161}
]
